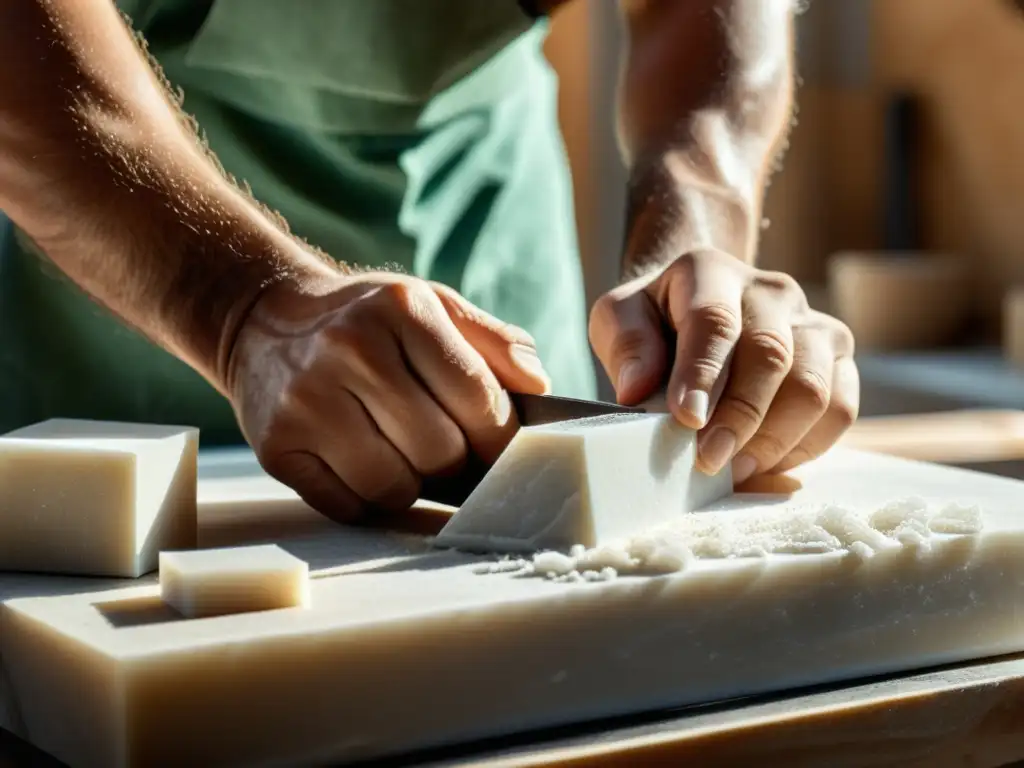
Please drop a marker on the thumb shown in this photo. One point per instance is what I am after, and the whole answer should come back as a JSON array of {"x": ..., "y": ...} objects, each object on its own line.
[
  {"x": 509, "y": 351},
  {"x": 626, "y": 333}
]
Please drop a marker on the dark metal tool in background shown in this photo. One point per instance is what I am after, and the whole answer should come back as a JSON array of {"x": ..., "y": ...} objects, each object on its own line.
[
  {"x": 901, "y": 204},
  {"x": 532, "y": 410}
]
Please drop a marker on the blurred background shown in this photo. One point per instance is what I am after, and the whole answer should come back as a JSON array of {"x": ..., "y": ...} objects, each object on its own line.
[{"x": 900, "y": 200}]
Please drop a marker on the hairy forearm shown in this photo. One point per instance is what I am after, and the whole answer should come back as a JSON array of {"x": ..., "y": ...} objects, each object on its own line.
[
  {"x": 705, "y": 104},
  {"x": 100, "y": 169}
]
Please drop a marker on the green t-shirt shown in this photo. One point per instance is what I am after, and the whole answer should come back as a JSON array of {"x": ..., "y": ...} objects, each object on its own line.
[{"x": 421, "y": 133}]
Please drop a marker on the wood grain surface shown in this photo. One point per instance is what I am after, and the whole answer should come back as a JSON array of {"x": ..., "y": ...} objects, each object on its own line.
[
  {"x": 966, "y": 58},
  {"x": 954, "y": 437},
  {"x": 967, "y": 716}
]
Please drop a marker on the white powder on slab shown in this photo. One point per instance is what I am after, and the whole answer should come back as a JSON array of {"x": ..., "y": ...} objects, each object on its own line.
[
  {"x": 956, "y": 520},
  {"x": 554, "y": 563},
  {"x": 911, "y": 524}
]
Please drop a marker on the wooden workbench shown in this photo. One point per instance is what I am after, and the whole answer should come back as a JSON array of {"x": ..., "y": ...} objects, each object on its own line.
[{"x": 966, "y": 715}]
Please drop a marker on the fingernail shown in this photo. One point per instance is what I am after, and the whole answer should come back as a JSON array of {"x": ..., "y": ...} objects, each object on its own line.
[
  {"x": 629, "y": 374},
  {"x": 696, "y": 402},
  {"x": 743, "y": 468},
  {"x": 526, "y": 358},
  {"x": 502, "y": 407},
  {"x": 716, "y": 447}
]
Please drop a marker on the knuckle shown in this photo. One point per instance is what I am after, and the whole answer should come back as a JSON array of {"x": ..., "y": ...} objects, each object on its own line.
[
  {"x": 686, "y": 263},
  {"x": 834, "y": 332},
  {"x": 490, "y": 448},
  {"x": 780, "y": 282},
  {"x": 631, "y": 342},
  {"x": 377, "y": 474},
  {"x": 345, "y": 350},
  {"x": 773, "y": 349},
  {"x": 480, "y": 382},
  {"x": 386, "y": 303},
  {"x": 394, "y": 493},
  {"x": 719, "y": 321},
  {"x": 479, "y": 394},
  {"x": 408, "y": 296},
  {"x": 602, "y": 314},
  {"x": 843, "y": 415},
  {"x": 845, "y": 341},
  {"x": 279, "y": 464},
  {"x": 348, "y": 511},
  {"x": 740, "y": 409},
  {"x": 703, "y": 372},
  {"x": 507, "y": 332},
  {"x": 300, "y": 471},
  {"x": 802, "y": 454},
  {"x": 839, "y": 418},
  {"x": 811, "y": 388},
  {"x": 344, "y": 508},
  {"x": 440, "y": 455},
  {"x": 767, "y": 448},
  {"x": 348, "y": 335},
  {"x": 273, "y": 461},
  {"x": 454, "y": 301}
]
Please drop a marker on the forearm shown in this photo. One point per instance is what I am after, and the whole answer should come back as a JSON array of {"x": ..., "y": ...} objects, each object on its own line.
[
  {"x": 705, "y": 104},
  {"x": 99, "y": 168}
]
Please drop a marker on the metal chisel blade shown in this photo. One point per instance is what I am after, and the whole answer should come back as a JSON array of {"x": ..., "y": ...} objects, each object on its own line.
[{"x": 534, "y": 410}]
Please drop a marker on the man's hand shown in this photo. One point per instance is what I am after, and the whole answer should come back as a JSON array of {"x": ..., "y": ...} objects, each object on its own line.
[
  {"x": 704, "y": 106},
  {"x": 351, "y": 387},
  {"x": 353, "y": 395},
  {"x": 770, "y": 382}
]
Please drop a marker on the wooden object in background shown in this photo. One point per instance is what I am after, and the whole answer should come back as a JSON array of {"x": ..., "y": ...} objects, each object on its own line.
[
  {"x": 899, "y": 301},
  {"x": 952, "y": 437},
  {"x": 818, "y": 297},
  {"x": 967, "y": 58},
  {"x": 793, "y": 220},
  {"x": 943, "y": 719},
  {"x": 825, "y": 197},
  {"x": 567, "y": 49},
  {"x": 583, "y": 47},
  {"x": 1013, "y": 325},
  {"x": 901, "y": 297}
]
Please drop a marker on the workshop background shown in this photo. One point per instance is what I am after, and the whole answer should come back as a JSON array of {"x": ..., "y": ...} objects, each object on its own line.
[{"x": 900, "y": 203}]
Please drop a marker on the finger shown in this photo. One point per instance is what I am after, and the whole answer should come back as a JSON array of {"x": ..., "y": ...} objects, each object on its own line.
[
  {"x": 317, "y": 485},
  {"x": 761, "y": 360},
  {"x": 458, "y": 377},
  {"x": 388, "y": 406},
  {"x": 801, "y": 402},
  {"x": 510, "y": 351},
  {"x": 706, "y": 312},
  {"x": 363, "y": 457},
  {"x": 349, "y": 444},
  {"x": 841, "y": 414},
  {"x": 627, "y": 334}
]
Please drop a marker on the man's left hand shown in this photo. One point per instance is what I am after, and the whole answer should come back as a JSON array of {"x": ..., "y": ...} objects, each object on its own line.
[{"x": 770, "y": 382}]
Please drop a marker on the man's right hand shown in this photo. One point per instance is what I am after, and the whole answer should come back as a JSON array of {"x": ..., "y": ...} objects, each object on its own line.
[
  {"x": 350, "y": 392},
  {"x": 353, "y": 393}
]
